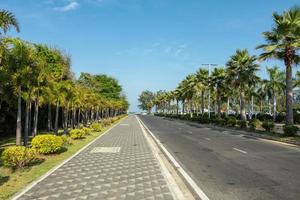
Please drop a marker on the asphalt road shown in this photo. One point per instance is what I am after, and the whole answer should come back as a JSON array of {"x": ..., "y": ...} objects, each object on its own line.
[{"x": 228, "y": 166}]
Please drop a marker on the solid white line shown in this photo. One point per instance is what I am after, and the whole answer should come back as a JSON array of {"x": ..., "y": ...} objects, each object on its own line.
[
  {"x": 241, "y": 151},
  {"x": 26, "y": 189},
  {"x": 177, "y": 166},
  {"x": 174, "y": 188}
]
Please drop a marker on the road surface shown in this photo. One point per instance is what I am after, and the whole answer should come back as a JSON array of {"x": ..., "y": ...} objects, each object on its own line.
[{"x": 229, "y": 166}]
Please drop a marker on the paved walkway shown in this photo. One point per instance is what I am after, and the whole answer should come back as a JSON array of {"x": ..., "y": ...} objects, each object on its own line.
[{"x": 129, "y": 170}]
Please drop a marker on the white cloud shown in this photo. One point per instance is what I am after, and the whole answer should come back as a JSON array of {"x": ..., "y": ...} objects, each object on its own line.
[{"x": 70, "y": 6}]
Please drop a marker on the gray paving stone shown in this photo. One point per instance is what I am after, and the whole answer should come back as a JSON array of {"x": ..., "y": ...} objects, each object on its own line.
[{"x": 130, "y": 174}]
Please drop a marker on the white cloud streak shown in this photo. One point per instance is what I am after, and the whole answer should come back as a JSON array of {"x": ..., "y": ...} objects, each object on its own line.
[{"x": 70, "y": 6}]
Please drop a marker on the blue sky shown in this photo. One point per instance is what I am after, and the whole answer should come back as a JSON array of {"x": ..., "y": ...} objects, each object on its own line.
[{"x": 146, "y": 44}]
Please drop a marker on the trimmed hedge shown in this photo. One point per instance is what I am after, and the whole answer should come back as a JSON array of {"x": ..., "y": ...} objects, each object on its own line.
[
  {"x": 19, "y": 156},
  {"x": 268, "y": 125},
  {"x": 255, "y": 124},
  {"x": 290, "y": 130},
  {"x": 47, "y": 144},
  {"x": 77, "y": 134}
]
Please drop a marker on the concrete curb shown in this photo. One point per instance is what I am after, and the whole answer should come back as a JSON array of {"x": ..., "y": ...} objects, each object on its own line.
[{"x": 196, "y": 190}]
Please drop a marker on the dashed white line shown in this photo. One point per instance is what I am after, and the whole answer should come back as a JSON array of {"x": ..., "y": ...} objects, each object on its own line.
[
  {"x": 239, "y": 150},
  {"x": 207, "y": 139}
]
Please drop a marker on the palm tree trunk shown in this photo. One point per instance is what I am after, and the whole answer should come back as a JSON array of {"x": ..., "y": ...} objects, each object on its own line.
[
  {"x": 177, "y": 107},
  {"x": 27, "y": 122},
  {"x": 202, "y": 102},
  {"x": 289, "y": 87},
  {"x": 228, "y": 105},
  {"x": 65, "y": 120},
  {"x": 49, "y": 118},
  {"x": 56, "y": 118},
  {"x": 29, "y": 119},
  {"x": 274, "y": 107},
  {"x": 78, "y": 120},
  {"x": 19, "y": 120},
  {"x": 242, "y": 110},
  {"x": 36, "y": 115}
]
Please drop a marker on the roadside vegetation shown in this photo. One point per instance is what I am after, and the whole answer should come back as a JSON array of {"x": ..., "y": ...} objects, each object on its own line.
[
  {"x": 234, "y": 95},
  {"x": 46, "y": 113}
]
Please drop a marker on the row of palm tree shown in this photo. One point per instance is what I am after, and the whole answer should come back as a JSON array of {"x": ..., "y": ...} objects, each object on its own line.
[
  {"x": 237, "y": 86},
  {"x": 37, "y": 75}
]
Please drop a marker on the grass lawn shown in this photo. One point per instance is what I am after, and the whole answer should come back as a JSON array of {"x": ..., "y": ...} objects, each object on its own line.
[{"x": 12, "y": 182}]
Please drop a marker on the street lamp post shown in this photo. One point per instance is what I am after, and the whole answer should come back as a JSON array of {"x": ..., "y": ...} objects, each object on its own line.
[{"x": 209, "y": 66}]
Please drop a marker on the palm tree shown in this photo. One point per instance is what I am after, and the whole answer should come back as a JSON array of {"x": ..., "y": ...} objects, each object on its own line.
[
  {"x": 7, "y": 20},
  {"x": 282, "y": 43},
  {"x": 241, "y": 69},
  {"x": 276, "y": 85},
  {"x": 202, "y": 78},
  {"x": 218, "y": 82}
]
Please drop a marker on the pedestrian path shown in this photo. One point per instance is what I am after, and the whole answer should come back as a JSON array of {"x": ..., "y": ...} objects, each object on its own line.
[{"x": 119, "y": 165}]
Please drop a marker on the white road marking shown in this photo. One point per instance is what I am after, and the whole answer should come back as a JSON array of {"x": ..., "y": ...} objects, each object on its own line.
[
  {"x": 190, "y": 132},
  {"x": 207, "y": 139},
  {"x": 186, "y": 176},
  {"x": 241, "y": 151},
  {"x": 124, "y": 125}
]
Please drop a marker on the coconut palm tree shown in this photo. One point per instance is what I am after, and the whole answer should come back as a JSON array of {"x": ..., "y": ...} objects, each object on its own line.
[
  {"x": 282, "y": 43},
  {"x": 8, "y": 20},
  {"x": 241, "y": 69},
  {"x": 218, "y": 82},
  {"x": 276, "y": 85},
  {"x": 202, "y": 79}
]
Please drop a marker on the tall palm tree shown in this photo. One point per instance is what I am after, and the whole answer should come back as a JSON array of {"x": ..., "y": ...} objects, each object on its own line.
[
  {"x": 202, "y": 78},
  {"x": 218, "y": 82},
  {"x": 276, "y": 85},
  {"x": 241, "y": 69},
  {"x": 282, "y": 43}
]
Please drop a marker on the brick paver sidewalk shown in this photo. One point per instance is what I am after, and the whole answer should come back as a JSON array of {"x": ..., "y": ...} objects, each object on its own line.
[{"x": 129, "y": 170}]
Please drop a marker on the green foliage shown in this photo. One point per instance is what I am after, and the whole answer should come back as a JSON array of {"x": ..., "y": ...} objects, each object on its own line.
[
  {"x": 47, "y": 144},
  {"x": 290, "y": 130},
  {"x": 146, "y": 100},
  {"x": 97, "y": 127},
  {"x": 67, "y": 140},
  {"x": 254, "y": 124},
  {"x": 77, "y": 134},
  {"x": 268, "y": 125},
  {"x": 231, "y": 121},
  {"x": 18, "y": 156},
  {"x": 106, "y": 122},
  {"x": 87, "y": 131},
  {"x": 242, "y": 123}
]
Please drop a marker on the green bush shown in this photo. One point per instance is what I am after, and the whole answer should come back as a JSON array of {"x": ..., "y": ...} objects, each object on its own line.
[
  {"x": 105, "y": 122},
  {"x": 77, "y": 134},
  {"x": 18, "y": 156},
  {"x": 47, "y": 144},
  {"x": 231, "y": 121},
  {"x": 268, "y": 125},
  {"x": 97, "y": 127},
  {"x": 67, "y": 140},
  {"x": 290, "y": 130},
  {"x": 242, "y": 124},
  {"x": 87, "y": 131},
  {"x": 254, "y": 124}
]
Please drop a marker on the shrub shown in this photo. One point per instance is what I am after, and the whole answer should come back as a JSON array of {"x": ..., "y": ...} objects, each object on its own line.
[
  {"x": 87, "y": 131},
  {"x": 97, "y": 127},
  {"x": 268, "y": 125},
  {"x": 67, "y": 140},
  {"x": 18, "y": 156},
  {"x": 47, "y": 144},
  {"x": 290, "y": 130},
  {"x": 105, "y": 122},
  {"x": 280, "y": 117},
  {"x": 231, "y": 121},
  {"x": 242, "y": 124},
  {"x": 254, "y": 124},
  {"x": 77, "y": 134}
]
